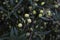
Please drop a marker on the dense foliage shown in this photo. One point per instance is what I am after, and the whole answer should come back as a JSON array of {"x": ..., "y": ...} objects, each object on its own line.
[{"x": 29, "y": 19}]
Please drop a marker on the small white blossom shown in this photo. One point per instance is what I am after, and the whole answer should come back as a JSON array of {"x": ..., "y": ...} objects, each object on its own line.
[
  {"x": 30, "y": 7},
  {"x": 35, "y": 4},
  {"x": 4, "y": 2},
  {"x": 20, "y": 25},
  {"x": 16, "y": 1},
  {"x": 40, "y": 15},
  {"x": 34, "y": 12},
  {"x": 27, "y": 34},
  {"x": 31, "y": 29},
  {"x": 41, "y": 11},
  {"x": 49, "y": 13},
  {"x": 29, "y": 20},
  {"x": 56, "y": 6},
  {"x": 42, "y": 3},
  {"x": 26, "y": 15}
]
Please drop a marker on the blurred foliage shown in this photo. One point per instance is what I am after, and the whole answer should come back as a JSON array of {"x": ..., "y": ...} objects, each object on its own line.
[{"x": 29, "y": 19}]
